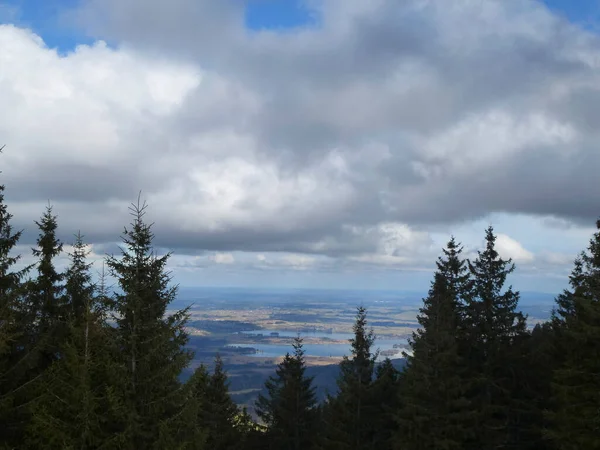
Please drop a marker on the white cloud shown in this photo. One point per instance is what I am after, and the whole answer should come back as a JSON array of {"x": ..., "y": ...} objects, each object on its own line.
[
  {"x": 223, "y": 258},
  {"x": 350, "y": 140},
  {"x": 507, "y": 247}
]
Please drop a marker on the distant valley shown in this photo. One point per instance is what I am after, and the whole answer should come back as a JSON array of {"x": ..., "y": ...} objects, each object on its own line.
[{"x": 252, "y": 329}]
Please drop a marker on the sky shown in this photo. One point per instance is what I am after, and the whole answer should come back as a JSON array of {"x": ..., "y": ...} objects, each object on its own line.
[{"x": 316, "y": 143}]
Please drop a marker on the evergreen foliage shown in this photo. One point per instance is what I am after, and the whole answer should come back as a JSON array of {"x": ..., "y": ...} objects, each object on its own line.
[
  {"x": 11, "y": 328},
  {"x": 151, "y": 343},
  {"x": 351, "y": 416},
  {"x": 575, "y": 419},
  {"x": 288, "y": 410},
  {"x": 492, "y": 328},
  {"x": 385, "y": 394},
  {"x": 435, "y": 410},
  {"x": 74, "y": 407},
  {"x": 83, "y": 367},
  {"x": 220, "y": 413}
]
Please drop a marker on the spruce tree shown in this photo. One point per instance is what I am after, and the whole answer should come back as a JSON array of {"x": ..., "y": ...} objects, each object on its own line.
[
  {"x": 533, "y": 390},
  {"x": 288, "y": 410},
  {"x": 151, "y": 342},
  {"x": 193, "y": 433},
  {"x": 350, "y": 415},
  {"x": 434, "y": 408},
  {"x": 45, "y": 294},
  {"x": 493, "y": 327},
  {"x": 39, "y": 315},
  {"x": 74, "y": 407},
  {"x": 385, "y": 394},
  {"x": 10, "y": 327},
  {"x": 220, "y": 413},
  {"x": 575, "y": 418}
]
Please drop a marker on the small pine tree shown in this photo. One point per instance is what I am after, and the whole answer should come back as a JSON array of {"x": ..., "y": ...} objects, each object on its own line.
[
  {"x": 385, "y": 394},
  {"x": 350, "y": 415},
  {"x": 220, "y": 413},
  {"x": 288, "y": 410},
  {"x": 152, "y": 343},
  {"x": 434, "y": 407},
  {"x": 193, "y": 433},
  {"x": 47, "y": 288},
  {"x": 575, "y": 418}
]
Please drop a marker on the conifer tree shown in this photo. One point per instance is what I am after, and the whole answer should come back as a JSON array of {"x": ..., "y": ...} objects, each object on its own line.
[
  {"x": 385, "y": 394},
  {"x": 350, "y": 415},
  {"x": 576, "y": 418},
  {"x": 288, "y": 410},
  {"x": 220, "y": 413},
  {"x": 39, "y": 315},
  {"x": 433, "y": 400},
  {"x": 533, "y": 390},
  {"x": 151, "y": 342},
  {"x": 46, "y": 290},
  {"x": 74, "y": 407},
  {"x": 493, "y": 327},
  {"x": 192, "y": 432},
  {"x": 10, "y": 328}
]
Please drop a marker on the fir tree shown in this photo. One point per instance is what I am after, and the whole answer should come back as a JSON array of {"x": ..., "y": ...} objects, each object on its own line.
[
  {"x": 385, "y": 394},
  {"x": 192, "y": 432},
  {"x": 220, "y": 413},
  {"x": 38, "y": 314},
  {"x": 10, "y": 327},
  {"x": 576, "y": 417},
  {"x": 493, "y": 327},
  {"x": 434, "y": 407},
  {"x": 47, "y": 288},
  {"x": 74, "y": 406},
  {"x": 151, "y": 342},
  {"x": 350, "y": 415},
  {"x": 288, "y": 410}
]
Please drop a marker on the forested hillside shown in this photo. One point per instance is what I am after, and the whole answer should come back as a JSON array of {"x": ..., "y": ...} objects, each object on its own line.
[{"x": 83, "y": 367}]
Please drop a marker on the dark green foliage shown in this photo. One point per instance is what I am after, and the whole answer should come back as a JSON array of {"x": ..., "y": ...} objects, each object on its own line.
[
  {"x": 219, "y": 413},
  {"x": 533, "y": 389},
  {"x": 576, "y": 417},
  {"x": 192, "y": 433},
  {"x": 385, "y": 394},
  {"x": 435, "y": 411},
  {"x": 74, "y": 407},
  {"x": 492, "y": 328},
  {"x": 151, "y": 343},
  {"x": 47, "y": 287},
  {"x": 288, "y": 410},
  {"x": 39, "y": 315},
  {"x": 10, "y": 325},
  {"x": 351, "y": 416}
]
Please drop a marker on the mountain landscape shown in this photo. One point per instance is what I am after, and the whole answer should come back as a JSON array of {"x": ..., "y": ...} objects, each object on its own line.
[{"x": 299, "y": 224}]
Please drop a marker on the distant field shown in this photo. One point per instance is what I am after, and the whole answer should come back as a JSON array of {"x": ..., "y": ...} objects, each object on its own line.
[{"x": 219, "y": 318}]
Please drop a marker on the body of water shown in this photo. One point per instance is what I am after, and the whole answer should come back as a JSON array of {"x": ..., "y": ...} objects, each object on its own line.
[
  {"x": 323, "y": 350},
  {"x": 302, "y": 334}
]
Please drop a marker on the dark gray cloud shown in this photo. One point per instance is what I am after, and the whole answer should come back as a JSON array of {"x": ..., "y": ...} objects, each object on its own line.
[{"x": 307, "y": 140}]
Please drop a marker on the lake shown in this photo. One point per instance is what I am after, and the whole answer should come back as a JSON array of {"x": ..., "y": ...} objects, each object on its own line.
[
  {"x": 322, "y": 350},
  {"x": 302, "y": 334}
]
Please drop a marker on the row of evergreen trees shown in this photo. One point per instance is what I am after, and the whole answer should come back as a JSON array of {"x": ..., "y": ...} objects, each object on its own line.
[
  {"x": 477, "y": 378},
  {"x": 83, "y": 367}
]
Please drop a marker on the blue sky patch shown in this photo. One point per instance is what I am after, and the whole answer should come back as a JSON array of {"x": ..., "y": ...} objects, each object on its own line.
[
  {"x": 583, "y": 12},
  {"x": 278, "y": 14},
  {"x": 47, "y": 19}
]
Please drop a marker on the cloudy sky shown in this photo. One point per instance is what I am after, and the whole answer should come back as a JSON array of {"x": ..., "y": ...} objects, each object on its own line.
[{"x": 317, "y": 143}]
